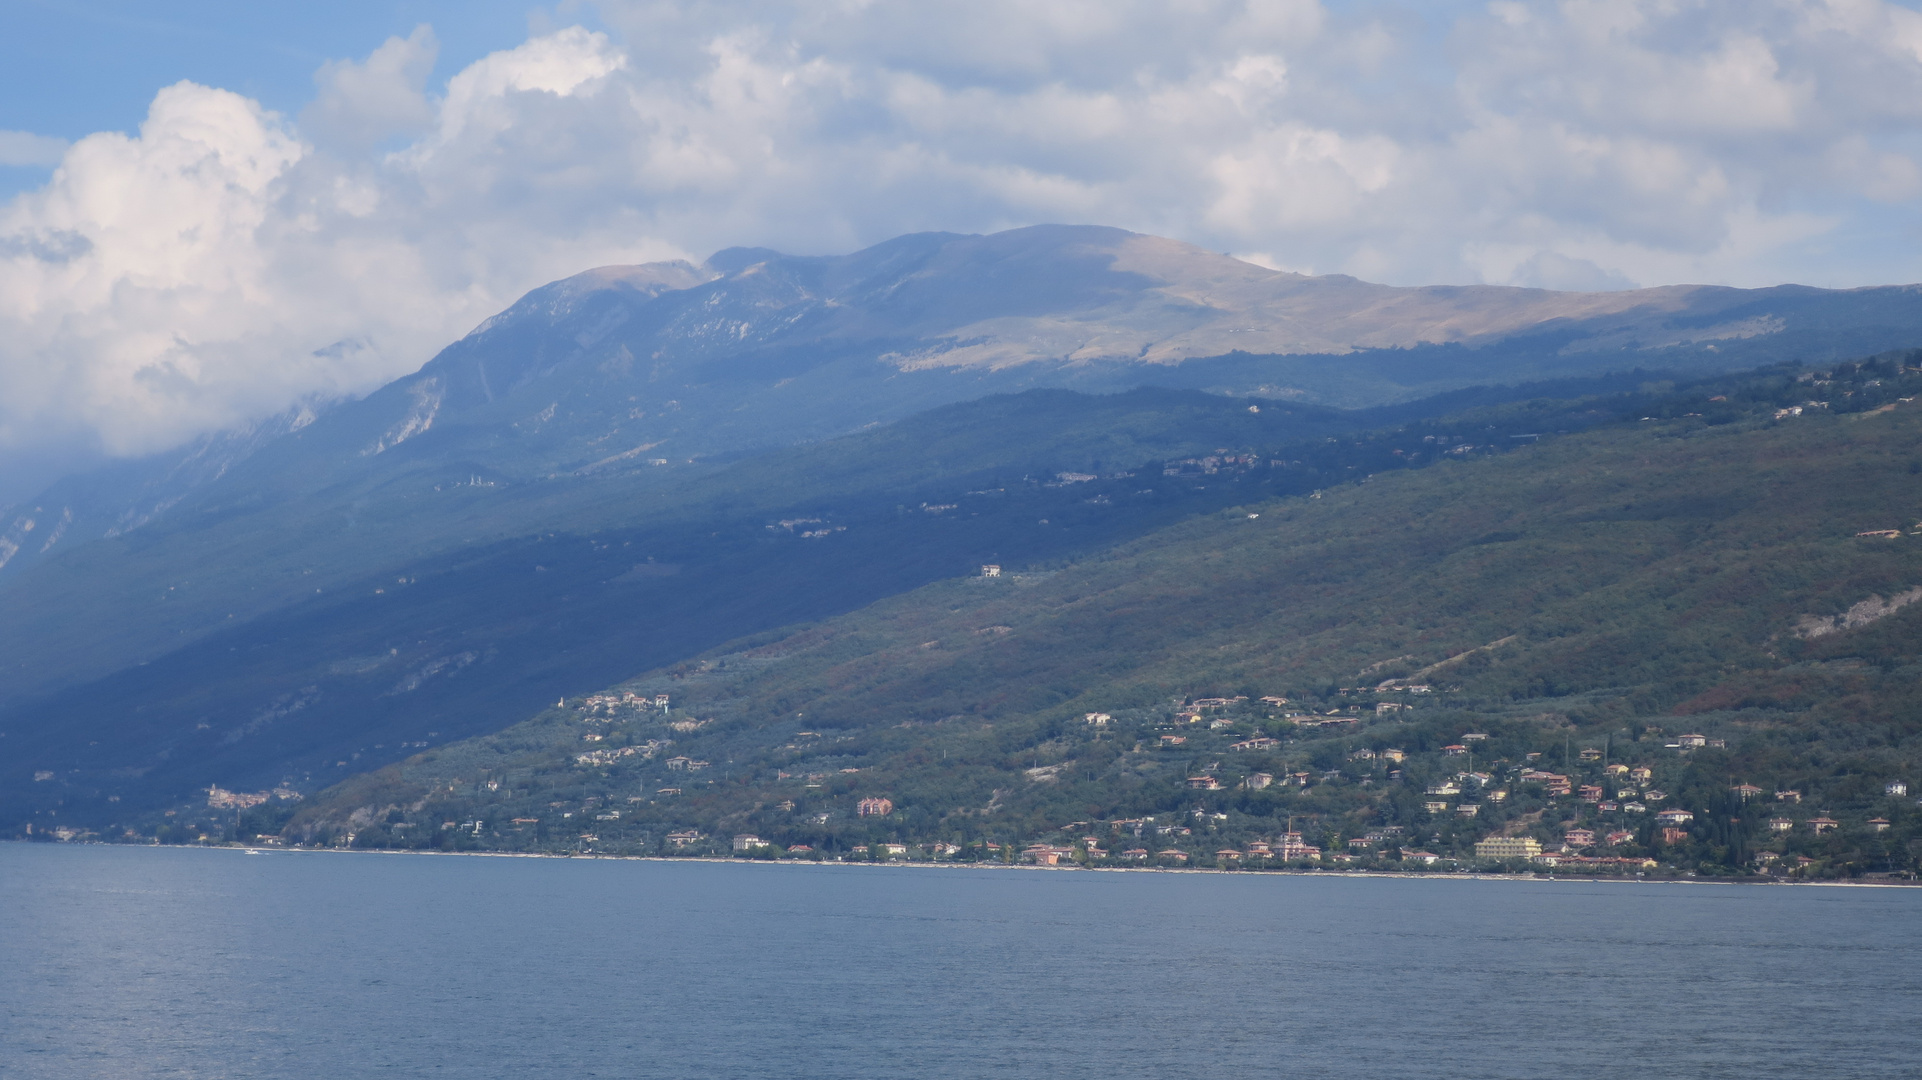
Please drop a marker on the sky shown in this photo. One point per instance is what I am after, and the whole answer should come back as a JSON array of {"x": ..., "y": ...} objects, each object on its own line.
[{"x": 210, "y": 211}]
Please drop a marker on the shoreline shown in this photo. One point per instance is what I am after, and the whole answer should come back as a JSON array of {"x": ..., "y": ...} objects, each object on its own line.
[{"x": 905, "y": 865}]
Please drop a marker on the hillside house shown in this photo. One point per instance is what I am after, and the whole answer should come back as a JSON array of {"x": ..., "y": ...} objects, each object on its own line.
[
  {"x": 678, "y": 764},
  {"x": 1641, "y": 774},
  {"x": 1204, "y": 783},
  {"x": 1691, "y": 741},
  {"x": 1617, "y": 770},
  {"x": 1258, "y": 781},
  {"x": 1895, "y": 787},
  {"x": 1824, "y": 824},
  {"x": 1468, "y": 809},
  {"x": 1745, "y": 792},
  {"x": 1578, "y": 838},
  {"x": 990, "y": 570},
  {"x": 1591, "y": 793},
  {"x": 1475, "y": 736},
  {"x": 1617, "y": 837},
  {"x": 1259, "y": 742},
  {"x": 1878, "y": 824},
  {"x": 1436, "y": 806},
  {"x": 1138, "y": 854},
  {"x": 1274, "y": 700},
  {"x": 1790, "y": 795},
  {"x": 1673, "y": 835},
  {"x": 1507, "y": 847},
  {"x": 1425, "y": 858},
  {"x": 1393, "y": 755},
  {"x": 874, "y": 808},
  {"x": 799, "y": 849},
  {"x": 1591, "y": 754},
  {"x": 1292, "y": 847},
  {"x": 1259, "y": 849},
  {"x": 1780, "y": 824},
  {"x": 1454, "y": 750},
  {"x": 683, "y": 838},
  {"x": 1634, "y": 808},
  {"x": 1098, "y": 719},
  {"x": 1675, "y": 815},
  {"x": 747, "y": 842}
]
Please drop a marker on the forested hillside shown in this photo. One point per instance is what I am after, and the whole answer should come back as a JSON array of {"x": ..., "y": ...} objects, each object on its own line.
[
  {"x": 1703, "y": 609},
  {"x": 420, "y": 648}
]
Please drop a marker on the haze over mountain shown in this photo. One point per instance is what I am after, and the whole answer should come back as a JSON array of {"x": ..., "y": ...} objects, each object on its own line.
[{"x": 652, "y": 412}]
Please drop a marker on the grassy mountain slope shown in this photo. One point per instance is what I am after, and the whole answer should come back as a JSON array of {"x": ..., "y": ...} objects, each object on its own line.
[
  {"x": 1696, "y": 572},
  {"x": 441, "y": 647}
]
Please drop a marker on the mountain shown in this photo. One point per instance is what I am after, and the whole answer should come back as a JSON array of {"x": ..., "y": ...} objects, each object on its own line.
[
  {"x": 620, "y": 367},
  {"x": 1719, "y": 591},
  {"x": 453, "y": 644},
  {"x": 661, "y": 406}
]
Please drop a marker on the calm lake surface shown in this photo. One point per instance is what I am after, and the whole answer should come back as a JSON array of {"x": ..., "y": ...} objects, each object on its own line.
[{"x": 142, "y": 962}]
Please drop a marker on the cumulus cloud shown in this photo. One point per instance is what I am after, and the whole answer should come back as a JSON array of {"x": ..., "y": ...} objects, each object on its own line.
[{"x": 223, "y": 261}]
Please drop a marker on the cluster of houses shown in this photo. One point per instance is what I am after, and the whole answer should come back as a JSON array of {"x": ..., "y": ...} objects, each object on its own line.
[
  {"x": 611, "y": 705},
  {"x": 220, "y": 798}
]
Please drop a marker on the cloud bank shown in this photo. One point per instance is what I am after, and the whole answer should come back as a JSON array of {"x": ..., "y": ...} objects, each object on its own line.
[{"x": 223, "y": 262}]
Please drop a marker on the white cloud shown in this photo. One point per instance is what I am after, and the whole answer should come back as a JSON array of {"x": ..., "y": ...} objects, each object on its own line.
[
  {"x": 363, "y": 102},
  {"x": 223, "y": 261}
]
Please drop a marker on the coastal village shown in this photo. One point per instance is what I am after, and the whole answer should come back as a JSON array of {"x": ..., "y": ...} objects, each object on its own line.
[{"x": 1381, "y": 778}]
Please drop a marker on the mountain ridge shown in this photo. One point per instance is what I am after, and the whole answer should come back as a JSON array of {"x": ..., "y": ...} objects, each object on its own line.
[{"x": 621, "y": 400}]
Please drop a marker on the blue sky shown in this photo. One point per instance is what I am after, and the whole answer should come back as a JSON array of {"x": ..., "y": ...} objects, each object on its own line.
[
  {"x": 73, "y": 67},
  {"x": 211, "y": 210}
]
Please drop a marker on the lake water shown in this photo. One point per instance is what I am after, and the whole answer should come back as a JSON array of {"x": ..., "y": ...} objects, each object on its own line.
[{"x": 141, "y": 962}]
